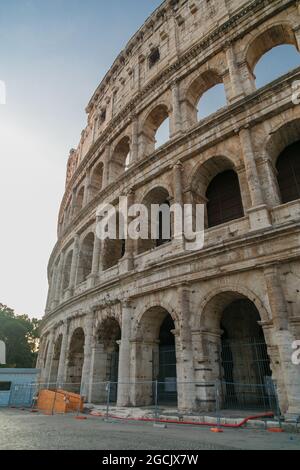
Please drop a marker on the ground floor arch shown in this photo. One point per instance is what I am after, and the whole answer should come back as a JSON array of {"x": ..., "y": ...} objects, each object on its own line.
[
  {"x": 75, "y": 360},
  {"x": 156, "y": 364},
  {"x": 55, "y": 362},
  {"x": 245, "y": 365},
  {"x": 235, "y": 345},
  {"x": 105, "y": 360}
]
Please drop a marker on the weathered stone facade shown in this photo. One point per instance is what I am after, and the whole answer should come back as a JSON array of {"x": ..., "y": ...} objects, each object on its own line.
[{"x": 108, "y": 297}]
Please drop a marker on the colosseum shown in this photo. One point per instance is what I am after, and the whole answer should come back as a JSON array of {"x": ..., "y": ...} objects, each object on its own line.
[{"x": 135, "y": 313}]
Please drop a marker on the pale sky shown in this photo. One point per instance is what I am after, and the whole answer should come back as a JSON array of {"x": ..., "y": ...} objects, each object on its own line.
[{"x": 52, "y": 57}]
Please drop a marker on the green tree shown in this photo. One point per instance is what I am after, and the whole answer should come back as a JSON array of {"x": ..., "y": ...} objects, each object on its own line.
[{"x": 20, "y": 334}]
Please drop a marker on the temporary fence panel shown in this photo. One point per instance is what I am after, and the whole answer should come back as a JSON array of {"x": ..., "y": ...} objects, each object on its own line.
[{"x": 245, "y": 374}]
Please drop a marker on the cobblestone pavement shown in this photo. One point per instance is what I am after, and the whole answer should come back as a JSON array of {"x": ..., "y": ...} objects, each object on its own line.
[{"x": 25, "y": 430}]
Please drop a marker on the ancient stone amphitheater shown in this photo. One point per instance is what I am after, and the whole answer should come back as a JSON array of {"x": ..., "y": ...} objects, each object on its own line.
[{"x": 137, "y": 312}]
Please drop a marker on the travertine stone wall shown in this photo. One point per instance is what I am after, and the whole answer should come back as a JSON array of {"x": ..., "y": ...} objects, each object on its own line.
[{"x": 255, "y": 257}]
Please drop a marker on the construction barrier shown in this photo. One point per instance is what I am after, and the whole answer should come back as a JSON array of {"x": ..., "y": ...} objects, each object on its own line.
[{"x": 218, "y": 404}]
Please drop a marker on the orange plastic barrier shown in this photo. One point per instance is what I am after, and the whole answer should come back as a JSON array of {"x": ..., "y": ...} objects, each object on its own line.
[{"x": 59, "y": 401}]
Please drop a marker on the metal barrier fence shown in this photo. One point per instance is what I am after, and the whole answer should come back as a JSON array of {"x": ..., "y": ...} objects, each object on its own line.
[{"x": 148, "y": 399}]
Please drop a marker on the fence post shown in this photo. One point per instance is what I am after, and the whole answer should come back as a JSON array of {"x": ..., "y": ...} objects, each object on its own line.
[
  {"x": 107, "y": 400},
  {"x": 218, "y": 403},
  {"x": 156, "y": 401},
  {"x": 278, "y": 411}
]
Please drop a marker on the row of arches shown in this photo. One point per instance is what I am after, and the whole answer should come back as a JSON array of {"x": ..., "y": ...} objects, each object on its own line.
[
  {"x": 216, "y": 182},
  {"x": 238, "y": 355},
  {"x": 270, "y": 55}
]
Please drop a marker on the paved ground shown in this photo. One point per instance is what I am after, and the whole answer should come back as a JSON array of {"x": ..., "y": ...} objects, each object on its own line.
[{"x": 24, "y": 430}]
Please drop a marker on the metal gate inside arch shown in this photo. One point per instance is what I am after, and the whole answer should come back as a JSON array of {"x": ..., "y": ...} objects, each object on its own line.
[
  {"x": 246, "y": 375},
  {"x": 113, "y": 375}
]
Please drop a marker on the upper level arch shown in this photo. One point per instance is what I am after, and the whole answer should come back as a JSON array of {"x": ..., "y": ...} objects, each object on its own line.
[
  {"x": 215, "y": 183},
  {"x": 263, "y": 46},
  {"x": 204, "y": 95},
  {"x": 96, "y": 183},
  {"x": 151, "y": 125},
  {"x": 158, "y": 197},
  {"x": 85, "y": 260},
  {"x": 217, "y": 299},
  {"x": 120, "y": 158},
  {"x": 67, "y": 270}
]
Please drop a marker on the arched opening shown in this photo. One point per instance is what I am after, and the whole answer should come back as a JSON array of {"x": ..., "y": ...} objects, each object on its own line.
[
  {"x": 211, "y": 101},
  {"x": 224, "y": 202},
  {"x": 45, "y": 354},
  {"x": 120, "y": 159},
  {"x": 67, "y": 216},
  {"x": 272, "y": 54},
  {"x": 276, "y": 63},
  {"x": 205, "y": 96},
  {"x": 105, "y": 360},
  {"x": 156, "y": 356},
  {"x": 282, "y": 150},
  {"x": 55, "y": 362},
  {"x": 156, "y": 131},
  {"x": 67, "y": 270},
  {"x": 79, "y": 199},
  {"x": 85, "y": 258},
  {"x": 97, "y": 179},
  {"x": 215, "y": 184},
  {"x": 167, "y": 382},
  {"x": 238, "y": 355},
  {"x": 75, "y": 361},
  {"x": 288, "y": 168},
  {"x": 245, "y": 365},
  {"x": 114, "y": 248},
  {"x": 157, "y": 202},
  {"x": 162, "y": 134}
]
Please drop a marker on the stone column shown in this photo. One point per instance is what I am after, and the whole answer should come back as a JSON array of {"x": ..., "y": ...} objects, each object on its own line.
[
  {"x": 174, "y": 45},
  {"x": 106, "y": 163},
  {"x": 74, "y": 265},
  {"x": 124, "y": 356},
  {"x": 61, "y": 374},
  {"x": 51, "y": 290},
  {"x": 236, "y": 86},
  {"x": 86, "y": 369},
  {"x": 176, "y": 124},
  {"x": 177, "y": 181},
  {"x": 185, "y": 378},
  {"x": 258, "y": 213},
  {"x": 178, "y": 199},
  {"x": 94, "y": 131},
  {"x": 127, "y": 262},
  {"x": 87, "y": 188},
  {"x": 283, "y": 339},
  {"x": 269, "y": 174},
  {"x": 50, "y": 351},
  {"x": 94, "y": 276},
  {"x": 58, "y": 282},
  {"x": 134, "y": 139},
  {"x": 73, "y": 204},
  {"x": 39, "y": 363},
  {"x": 205, "y": 372}
]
